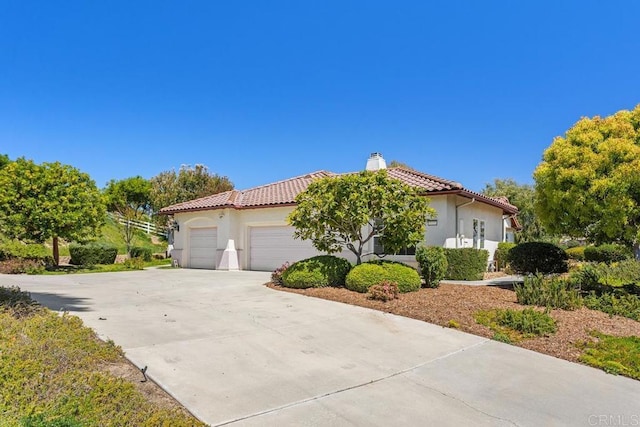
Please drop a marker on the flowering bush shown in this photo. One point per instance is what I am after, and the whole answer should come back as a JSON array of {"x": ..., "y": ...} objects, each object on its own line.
[
  {"x": 276, "y": 276},
  {"x": 384, "y": 291}
]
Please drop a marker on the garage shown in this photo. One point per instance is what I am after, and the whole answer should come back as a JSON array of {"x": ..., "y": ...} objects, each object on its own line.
[
  {"x": 273, "y": 246},
  {"x": 203, "y": 243}
]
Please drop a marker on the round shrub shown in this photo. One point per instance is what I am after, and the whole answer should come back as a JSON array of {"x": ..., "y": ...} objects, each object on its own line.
[
  {"x": 576, "y": 253},
  {"x": 538, "y": 257},
  {"x": 433, "y": 264},
  {"x": 141, "y": 252},
  {"x": 92, "y": 254},
  {"x": 316, "y": 272},
  {"x": 363, "y": 276},
  {"x": 607, "y": 253}
]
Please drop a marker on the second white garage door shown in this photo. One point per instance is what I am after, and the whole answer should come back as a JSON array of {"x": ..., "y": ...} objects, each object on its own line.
[
  {"x": 203, "y": 243},
  {"x": 273, "y": 246}
]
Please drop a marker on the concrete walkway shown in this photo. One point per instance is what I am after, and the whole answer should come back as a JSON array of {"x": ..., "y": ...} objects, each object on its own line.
[
  {"x": 498, "y": 281},
  {"x": 237, "y": 353}
]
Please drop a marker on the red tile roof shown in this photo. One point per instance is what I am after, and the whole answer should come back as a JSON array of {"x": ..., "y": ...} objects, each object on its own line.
[{"x": 283, "y": 193}]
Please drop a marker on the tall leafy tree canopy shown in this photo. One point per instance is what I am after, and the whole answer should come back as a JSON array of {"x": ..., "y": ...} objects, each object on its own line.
[
  {"x": 51, "y": 200},
  {"x": 522, "y": 196},
  {"x": 349, "y": 210},
  {"x": 190, "y": 182},
  {"x": 588, "y": 182},
  {"x": 4, "y": 160}
]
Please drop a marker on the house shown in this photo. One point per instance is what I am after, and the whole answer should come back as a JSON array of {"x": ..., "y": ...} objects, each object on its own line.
[{"x": 248, "y": 229}]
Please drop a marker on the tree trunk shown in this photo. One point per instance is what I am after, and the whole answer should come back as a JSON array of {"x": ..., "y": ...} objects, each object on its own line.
[{"x": 56, "y": 251}]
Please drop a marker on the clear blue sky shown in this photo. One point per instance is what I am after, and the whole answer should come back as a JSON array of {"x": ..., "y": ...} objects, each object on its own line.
[{"x": 264, "y": 90}]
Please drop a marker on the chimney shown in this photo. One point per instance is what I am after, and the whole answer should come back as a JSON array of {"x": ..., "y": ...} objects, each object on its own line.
[{"x": 376, "y": 162}]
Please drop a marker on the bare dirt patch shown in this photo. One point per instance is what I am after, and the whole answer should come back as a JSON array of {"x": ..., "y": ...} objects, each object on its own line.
[{"x": 460, "y": 302}]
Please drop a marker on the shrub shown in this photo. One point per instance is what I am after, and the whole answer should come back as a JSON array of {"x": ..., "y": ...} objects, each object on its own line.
[
  {"x": 134, "y": 263},
  {"x": 92, "y": 254},
  {"x": 21, "y": 266},
  {"x": 501, "y": 256},
  {"x": 141, "y": 252},
  {"x": 433, "y": 264},
  {"x": 316, "y": 272},
  {"x": 365, "y": 275},
  {"x": 384, "y": 291},
  {"x": 576, "y": 253},
  {"x": 276, "y": 276},
  {"x": 622, "y": 305},
  {"x": 553, "y": 292},
  {"x": 466, "y": 263},
  {"x": 618, "y": 277},
  {"x": 17, "y": 249},
  {"x": 512, "y": 325},
  {"x": 538, "y": 257},
  {"x": 607, "y": 253}
]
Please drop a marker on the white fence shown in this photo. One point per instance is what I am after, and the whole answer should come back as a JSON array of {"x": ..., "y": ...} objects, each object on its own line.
[{"x": 147, "y": 227}]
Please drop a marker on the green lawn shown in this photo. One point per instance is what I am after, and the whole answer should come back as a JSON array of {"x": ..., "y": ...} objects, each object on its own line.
[{"x": 615, "y": 355}]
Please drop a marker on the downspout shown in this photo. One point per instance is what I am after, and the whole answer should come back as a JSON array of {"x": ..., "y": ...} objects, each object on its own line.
[{"x": 458, "y": 222}]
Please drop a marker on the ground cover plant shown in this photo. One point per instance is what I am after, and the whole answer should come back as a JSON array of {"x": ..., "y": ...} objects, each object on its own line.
[
  {"x": 515, "y": 325},
  {"x": 616, "y": 355},
  {"x": 55, "y": 372},
  {"x": 553, "y": 292}
]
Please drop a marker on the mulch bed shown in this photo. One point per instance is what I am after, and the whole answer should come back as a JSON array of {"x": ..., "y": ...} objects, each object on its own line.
[{"x": 460, "y": 302}]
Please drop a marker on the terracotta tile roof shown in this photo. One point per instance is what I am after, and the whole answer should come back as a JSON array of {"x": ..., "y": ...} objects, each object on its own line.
[
  {"x": 284, "y": 192},
  {"x": 274, "y": 194}
]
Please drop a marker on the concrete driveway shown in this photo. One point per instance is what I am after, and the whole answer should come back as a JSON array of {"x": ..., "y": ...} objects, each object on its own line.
[{"x": 237, "y": 353}]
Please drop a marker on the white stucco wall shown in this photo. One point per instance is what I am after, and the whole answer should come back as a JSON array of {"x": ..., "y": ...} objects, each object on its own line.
[{"x": 236, "y": 224}]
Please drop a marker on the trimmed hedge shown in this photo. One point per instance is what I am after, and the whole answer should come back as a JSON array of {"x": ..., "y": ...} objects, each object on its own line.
[
  {"x": 538, "y": 257},
  {"x": 466, "y": 263},
  {"x": 141, "y": 252},
  {"x": 433, "y": 264},
  {"x": 501, "y": 256},
  {"x": 365, "y": 275},
  {"x": 92, "y": 254},
  {"x": 316, "y": 272},
  {"x": 31, "y": 252},
  {"x": 607, "y": 253},
  {"x": 576, "y": 253}
]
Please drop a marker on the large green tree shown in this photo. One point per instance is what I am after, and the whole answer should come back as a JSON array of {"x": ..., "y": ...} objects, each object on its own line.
[
  {"x": 190, "y": 182},
  {"x": 522, "y": 196},
  {"x": 48, "y": 201},
  {"x": 348, "y": 211},
  {"x": 130, "y": 198},
  {"x": 588, "y": 183},
  {"x": 4, "y": 160}
]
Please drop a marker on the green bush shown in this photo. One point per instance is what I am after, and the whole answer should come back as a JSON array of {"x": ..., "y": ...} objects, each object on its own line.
[
  {"x": 466, "y": 263},
  {"x": 607, "y": 253},
  {"x": 365, "y": 275},
  {"x": 433, "y": 264},
  {"x": 316, "y": 272},
  {"x": 538, "y": 257},
  {"x": 92, "y": 254},
  {"x": 134, "y": 263},
  {"x": 618, "y": 277},
  {"x": 576, "y": 253},
  {"x": 501, "y": 256},
  {"x": 620, "y": 305},
  {"x": 513, "y": 325},
  {"x": 553, "y": 292},
  {"x": 141, "y": 252},
  {"x": 17, "y": 249}
]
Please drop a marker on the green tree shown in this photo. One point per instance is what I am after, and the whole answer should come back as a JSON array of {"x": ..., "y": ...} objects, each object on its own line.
[
  {"x": 588, "y": 182},
  {"x": 349, "y": 210},
  {"x": 4, "y": 160},
  {"x": 169, "y": 187},
  {"x": 51, "y": 200},
  {"x": 522, "y": 196},
  {"x": 399, "y": 164},
  {"x": 130, "y": 198}
]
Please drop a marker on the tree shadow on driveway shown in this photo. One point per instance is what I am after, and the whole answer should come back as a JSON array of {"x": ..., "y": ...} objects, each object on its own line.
[{"x": 59, "y": 302}]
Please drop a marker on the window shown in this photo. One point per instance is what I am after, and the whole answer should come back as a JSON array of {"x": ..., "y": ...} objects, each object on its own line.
[{"x": 478, "y": 233}]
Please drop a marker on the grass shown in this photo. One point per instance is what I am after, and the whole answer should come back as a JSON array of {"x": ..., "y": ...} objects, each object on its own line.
[
  {"x": 51, "y": 373},
  {"x": 615, "y": 355},
  {"x": 515, "y": 325}
]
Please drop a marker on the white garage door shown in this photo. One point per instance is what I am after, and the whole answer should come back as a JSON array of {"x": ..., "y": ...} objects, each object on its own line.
[
  {"x": 273, "y": 246},
  {"x": 202, "y": 247}
]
